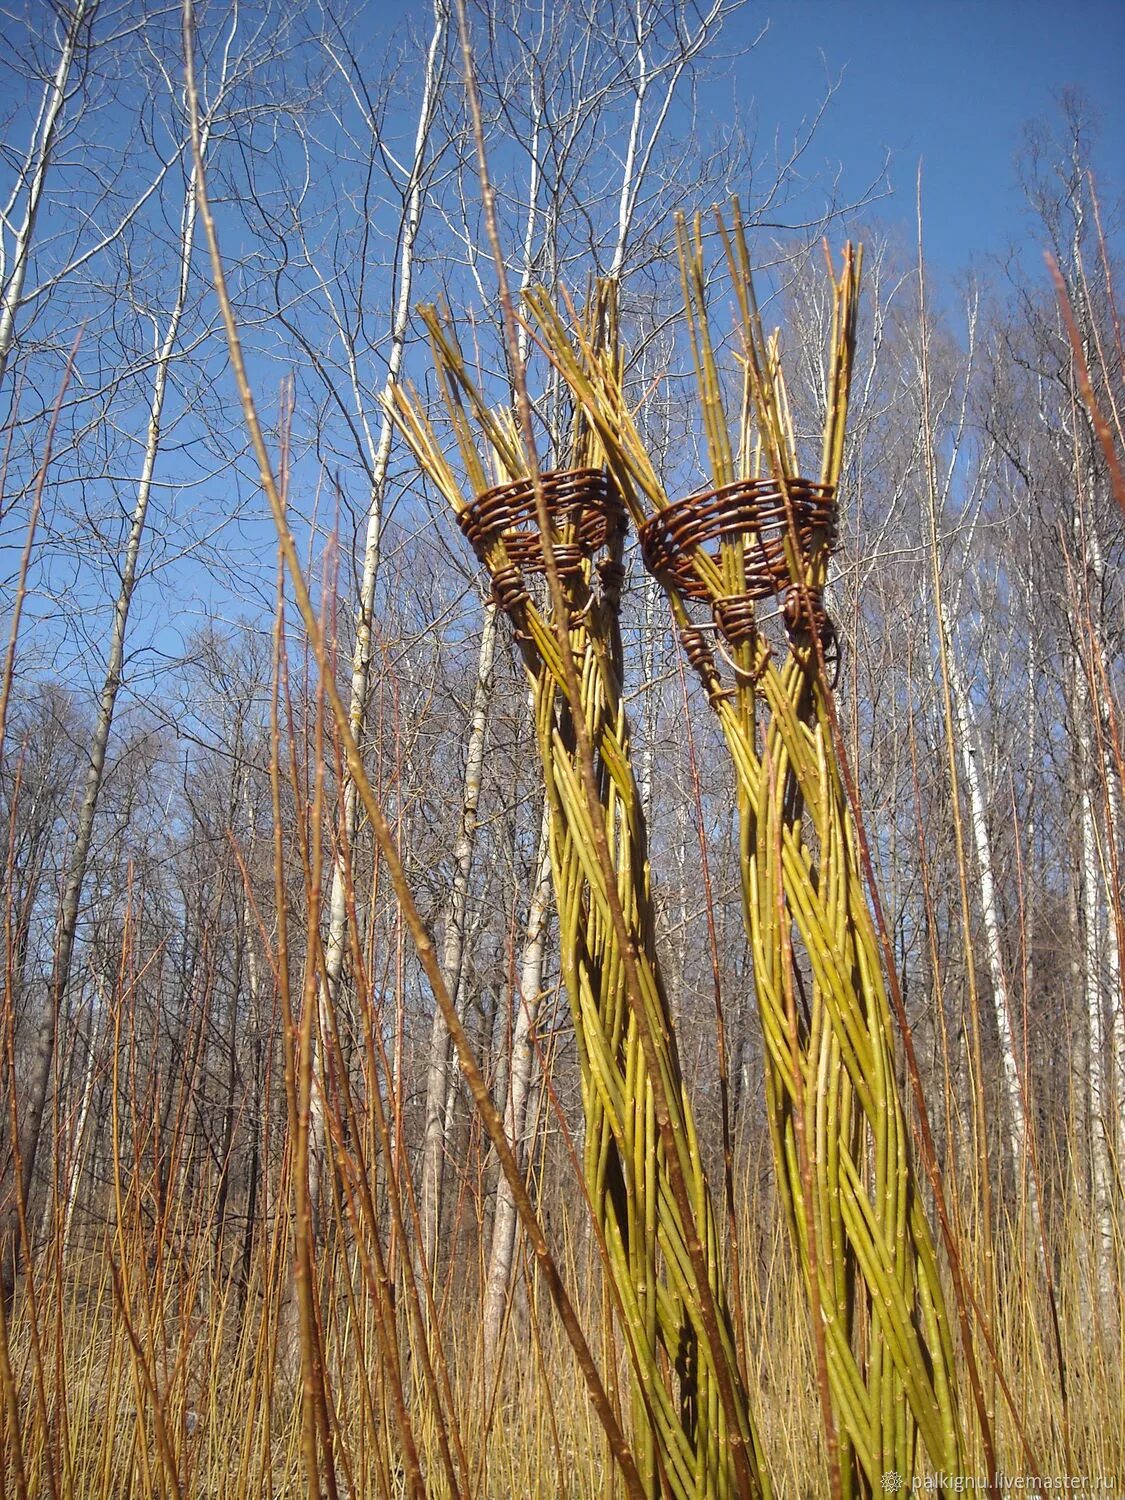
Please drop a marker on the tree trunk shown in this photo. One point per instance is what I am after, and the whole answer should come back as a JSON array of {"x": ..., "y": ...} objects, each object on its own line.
[
  {"x": 1098, "y": 1043},
  {"x": 74, "y": 1177},
  {"x": 40, "y": 154},
  {"x": 438, "y": 1078},
  {"x": 336, "y": 945},
  {"x": 520, "y": 1073},
  {"x": 965, "y": 720},
  {"x": 44, "y": 1047},
  {"x": 1099, "y": 938}
]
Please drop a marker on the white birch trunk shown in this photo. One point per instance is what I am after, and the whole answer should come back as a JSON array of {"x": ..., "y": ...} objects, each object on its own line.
[
  {"x": 438, "y": 1079},
  {"x": 40, "y": 156},
  {"x": 74, "y": 1177},
  {"x": 336, "y": 944},
  {"x": 1098, "y": 1048},
  {"x": 1113, "y": 962},
  {"x": 964, "y": 719},
  {"x": 44, "y": 1047},
  {"x": 1115, "y": 1039},
  {"x": 365, "y": 607},
  {"x": 1106, "y": 1036},
  {"x": 520, "y": 1073}
]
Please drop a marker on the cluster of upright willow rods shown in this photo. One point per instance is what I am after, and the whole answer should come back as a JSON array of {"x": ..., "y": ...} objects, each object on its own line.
[{"x": 760, "y": 535}]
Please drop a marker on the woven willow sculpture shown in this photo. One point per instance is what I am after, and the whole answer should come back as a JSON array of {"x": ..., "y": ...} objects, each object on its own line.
[
  {"x": 840, "y": 1136},
  {"x": 692, "y": 1429}
]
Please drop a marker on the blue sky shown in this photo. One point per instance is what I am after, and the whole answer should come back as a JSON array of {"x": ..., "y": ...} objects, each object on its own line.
[{"x": 950, "y": 82}]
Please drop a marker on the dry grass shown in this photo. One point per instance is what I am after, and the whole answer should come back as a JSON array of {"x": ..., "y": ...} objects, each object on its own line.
[{"x": 186, "y": 1336}]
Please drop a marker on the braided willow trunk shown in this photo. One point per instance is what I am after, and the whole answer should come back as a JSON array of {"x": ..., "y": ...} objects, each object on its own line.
[
  {"x": 840, "y": 1136},
  {"x": 692, "y": 1429},
  {"x": 626, "y": 1171}
]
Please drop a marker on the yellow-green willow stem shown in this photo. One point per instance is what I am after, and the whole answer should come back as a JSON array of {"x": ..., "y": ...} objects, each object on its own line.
[
  {"x": 859, "y": 1225},
  {"x": 684, "y": 1365}
]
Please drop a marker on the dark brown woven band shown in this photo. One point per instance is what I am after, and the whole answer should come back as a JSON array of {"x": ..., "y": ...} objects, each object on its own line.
[
  {"x": 736, "y": 618},
  {"x": 701, "y": 658},
  {"x": 584, "y": 509},
  {"x": 752, "y": 511},
  {"x": 796, "y": 612},
  {"x": 508, "y": 590}
]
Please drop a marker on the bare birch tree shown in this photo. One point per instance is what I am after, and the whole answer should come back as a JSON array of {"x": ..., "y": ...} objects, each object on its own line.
[
  {"x": 655, "y": 49},
  {"x": 20, "y": 212},
  {"x": 166, "y": 350}
]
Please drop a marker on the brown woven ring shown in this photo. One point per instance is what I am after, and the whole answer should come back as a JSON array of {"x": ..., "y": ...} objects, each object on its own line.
[
  {"x": 752, "y": 510},
  {"x": 806, "y": 618},
  {"x": 735, "y": 617},
  {"x": 508, "y": 589},
  {"x": 583, "y": 506}
]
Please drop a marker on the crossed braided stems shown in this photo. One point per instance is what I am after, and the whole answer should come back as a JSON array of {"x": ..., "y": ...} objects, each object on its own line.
[
  {"x": 888, "y": 1347},
  {"x": 624, "y": 1157},
  {"x": 869, "y": 1257},
  {"x": 861, "y": 1232},
  {"x": 685, "y": 1431}
]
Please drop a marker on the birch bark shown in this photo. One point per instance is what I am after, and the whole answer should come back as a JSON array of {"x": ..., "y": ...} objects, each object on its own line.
[
  {"x": 967, "y": 736},
  {"x": 379, "y": 453},
  {"x": 43, "y": 1051},
  {"x": 39, "y": 161},
  {"x": 378, "y": 458},
  {"x": 438, "y": 1079},
  {"x": 520, "y": 1074}
]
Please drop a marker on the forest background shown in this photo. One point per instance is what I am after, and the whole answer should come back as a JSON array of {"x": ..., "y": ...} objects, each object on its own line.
[{"x": 185, "y": 863}]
